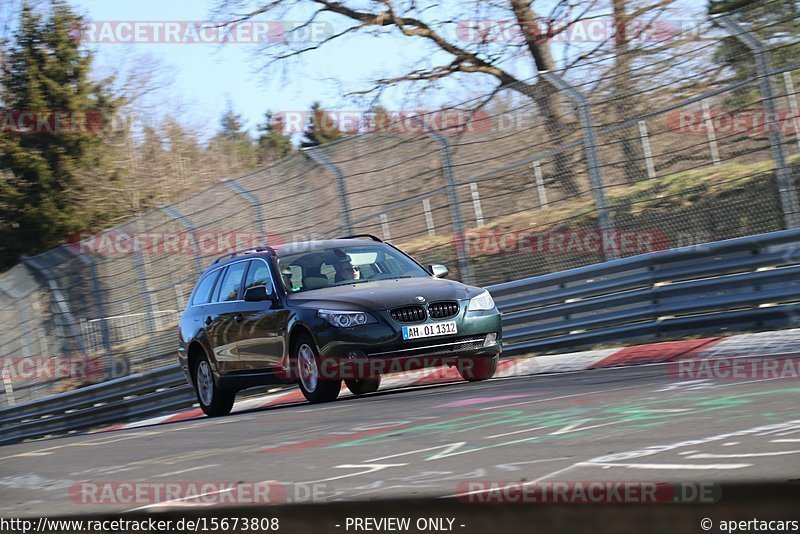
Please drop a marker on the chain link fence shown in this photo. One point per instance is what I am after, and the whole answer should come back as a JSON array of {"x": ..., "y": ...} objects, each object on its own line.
[{"x": 666, "y": 149}]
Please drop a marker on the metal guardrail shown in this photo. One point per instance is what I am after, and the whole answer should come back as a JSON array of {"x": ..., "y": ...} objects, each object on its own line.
[
  {"x": 121, "y": 399},
  {"x": 738, "y": 284}
]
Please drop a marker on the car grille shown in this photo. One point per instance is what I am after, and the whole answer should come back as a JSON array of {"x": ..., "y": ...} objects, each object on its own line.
[
  {"x": 408, "y": 314},
  {"x": 432, "y": 348},
  {"x": 443, "y": 310}
]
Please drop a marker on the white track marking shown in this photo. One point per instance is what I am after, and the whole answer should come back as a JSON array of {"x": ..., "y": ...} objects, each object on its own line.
[
  {"x": 708, "y": 455},
  {"x": 371, "y": 468},
  {"x": 534, "y": 401},
  {"x": 515, "y": 432},
  {"x": 695, "y": 467},
  {"x": 187, "y": 470}
]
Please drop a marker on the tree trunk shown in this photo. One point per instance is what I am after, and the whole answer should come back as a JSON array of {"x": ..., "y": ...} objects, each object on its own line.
[
  {"x": 631, "y": 156},
  {"x": 546, "y": 96}
]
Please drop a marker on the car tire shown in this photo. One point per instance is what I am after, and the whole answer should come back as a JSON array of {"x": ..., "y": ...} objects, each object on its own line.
[
  {"x": 363, "y": 385},
  {"x": 478, "y": 368},
  {"x": 307, "y": 361},
  {"x": 213, "y": 400}
]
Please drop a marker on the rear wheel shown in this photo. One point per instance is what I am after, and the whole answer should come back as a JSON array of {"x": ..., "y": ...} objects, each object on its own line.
[
  {"x": 364, "y": 385},
  {"x": 213, "y": 401},
  {"x": 314, "y": 388},
  {"x": 477, "y": 368}
]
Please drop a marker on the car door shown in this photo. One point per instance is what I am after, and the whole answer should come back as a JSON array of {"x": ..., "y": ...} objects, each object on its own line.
[
  {"x": 221, "y": 317},
  {"x": 192, "y": 323},
  {"x": 259, "y": 343}
]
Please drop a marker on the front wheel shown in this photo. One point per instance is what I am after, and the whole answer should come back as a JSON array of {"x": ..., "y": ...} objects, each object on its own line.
[
  {"x": 478, "y": 368},
  {"x": 314, "y": 388},
  {"x": 213, "y": 401},
  {"x": 363, "y": 386}
]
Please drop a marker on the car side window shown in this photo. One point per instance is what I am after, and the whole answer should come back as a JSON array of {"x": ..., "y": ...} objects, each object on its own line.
[
  {"x": 203, "y": 293},
  {"x": 231, "y": 282},
  {"x": 258, "y": 275}
]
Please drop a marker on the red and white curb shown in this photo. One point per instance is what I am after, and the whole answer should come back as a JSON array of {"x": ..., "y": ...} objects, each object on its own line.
[{"x": 740, "y": 345}]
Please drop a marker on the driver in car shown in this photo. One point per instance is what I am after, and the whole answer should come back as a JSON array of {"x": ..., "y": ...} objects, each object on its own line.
[{"x": 345, "y": 270}]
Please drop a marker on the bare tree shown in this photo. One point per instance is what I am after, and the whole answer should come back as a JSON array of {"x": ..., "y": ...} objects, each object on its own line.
[{"x": 476, "y": 56}]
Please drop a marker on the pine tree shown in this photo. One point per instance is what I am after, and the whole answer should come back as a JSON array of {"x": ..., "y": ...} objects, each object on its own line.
[
  {"x": 273, "y": 144},
  {"x": 233, "y": 145},
  {"x": 775, "y": 23},
  {"x": 322, "y": 128},
  {"x": 44, "y": 186}
]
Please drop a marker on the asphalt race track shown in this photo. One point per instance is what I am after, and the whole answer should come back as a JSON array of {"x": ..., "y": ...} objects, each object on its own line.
[{"x": 625, "y": 424}]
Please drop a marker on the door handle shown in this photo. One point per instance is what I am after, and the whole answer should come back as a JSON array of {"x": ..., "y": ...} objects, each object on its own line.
[
  {"x": 238, "y": 317},
  {"x": 209, "y": 320}
]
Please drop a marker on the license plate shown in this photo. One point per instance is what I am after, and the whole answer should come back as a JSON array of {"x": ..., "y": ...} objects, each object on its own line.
[{"x": 430, "y": 330}]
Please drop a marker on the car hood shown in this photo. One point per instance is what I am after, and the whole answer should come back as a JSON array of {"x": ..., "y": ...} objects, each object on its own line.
[{"x": 383, "y": 294}]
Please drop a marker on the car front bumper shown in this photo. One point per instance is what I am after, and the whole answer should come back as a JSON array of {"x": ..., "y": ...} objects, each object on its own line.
[{"x": 379, "y": 348}]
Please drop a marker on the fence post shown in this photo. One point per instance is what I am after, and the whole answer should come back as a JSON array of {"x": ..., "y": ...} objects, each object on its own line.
[
  {"x": 184, "y": 221},
  {"x": 8, "y": 387},
  {"x": 24, "y": 335},
  {"x": 464, "y": 264},
  {"x": 385, "y": 227},
  {"x": 539, "y": 177},
  {"x": 785, "y": 180},
  {"x": 644, "y": 137},
  {"x": 791, "y": 96},
  {"x": 711, "y": 134},
  {"x": 426, "y": 208},
  {"x": 590, "y": 150},
  {"x": 476, "y": 204},
  {"x": 61, "y": 304},
  {"x": 25, "y": 340},
  {"x": 87, "y": 260},
  {"x": 320, "y": 159},
  {"x": 252, "y": 200}
]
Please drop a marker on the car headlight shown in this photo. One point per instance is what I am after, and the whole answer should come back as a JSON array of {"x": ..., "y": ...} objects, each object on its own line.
[
  {"x": 346, "y": 319},
  {"x": 483, "y": 301}
]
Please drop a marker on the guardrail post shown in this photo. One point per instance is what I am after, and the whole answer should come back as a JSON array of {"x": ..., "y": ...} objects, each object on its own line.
[
  {"x": 464, "y": 264},
  {"x": 322, "y": 160},
  {"x": 590, "y": 151},
  {"x": 786, "y": 184}
]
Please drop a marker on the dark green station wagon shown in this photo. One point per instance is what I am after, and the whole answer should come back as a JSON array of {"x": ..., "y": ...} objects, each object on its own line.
[{"x": 319, "y": 312}]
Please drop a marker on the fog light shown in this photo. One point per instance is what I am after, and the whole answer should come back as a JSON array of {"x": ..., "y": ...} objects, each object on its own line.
[{"x": 490, "y": 338}]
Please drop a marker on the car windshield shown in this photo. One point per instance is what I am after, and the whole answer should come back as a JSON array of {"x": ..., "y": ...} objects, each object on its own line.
[{"x": 336, "y": 266}]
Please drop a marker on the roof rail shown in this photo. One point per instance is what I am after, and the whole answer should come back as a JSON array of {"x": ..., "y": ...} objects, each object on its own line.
[
  {"x": 251, "y": 250},
  {"x": 357, "y": 236}
]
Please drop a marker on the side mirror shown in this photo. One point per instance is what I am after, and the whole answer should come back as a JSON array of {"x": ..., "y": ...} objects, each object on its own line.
[
  {"x": 438, "y": 271},
  {"x": 256, "y": 294}
]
